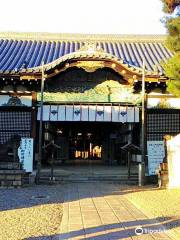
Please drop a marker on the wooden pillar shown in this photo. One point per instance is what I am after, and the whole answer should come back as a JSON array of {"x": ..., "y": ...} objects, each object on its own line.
[
  {"x": 34, "y": 121},
  {"x": 33, "y": 115},
  {"x": 129, "y": 153},
  {"x": 145, "y": 131}
]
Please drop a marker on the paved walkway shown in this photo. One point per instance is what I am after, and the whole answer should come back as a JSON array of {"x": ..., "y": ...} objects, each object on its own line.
[{"x": 96, "y": 211}]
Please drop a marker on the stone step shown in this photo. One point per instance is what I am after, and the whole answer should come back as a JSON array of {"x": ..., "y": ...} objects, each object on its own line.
[
  {"x": 88, "y": 175},
  {"x": 91, "y": 176},
  {"x": 128, "y": 182},
  {"x": 124, "y": 179},
  {"x": 71, "y": 177}
]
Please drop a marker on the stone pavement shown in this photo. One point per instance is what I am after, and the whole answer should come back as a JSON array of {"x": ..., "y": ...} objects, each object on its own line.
[{"x": 97, "y": 211}]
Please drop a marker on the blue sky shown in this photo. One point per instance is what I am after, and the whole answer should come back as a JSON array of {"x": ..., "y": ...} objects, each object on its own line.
[{"x": 82, "y": 16}]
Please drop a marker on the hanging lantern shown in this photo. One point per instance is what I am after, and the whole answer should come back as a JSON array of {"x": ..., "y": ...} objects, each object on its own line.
[
  {"x": 46, "y": 125},
  {"x": 47, "y": 136}
]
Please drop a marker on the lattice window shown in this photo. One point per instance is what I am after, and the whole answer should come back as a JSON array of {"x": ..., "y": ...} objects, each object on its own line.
[
  {"x": 5, "y": 136},
  {"x": 160, "y": 124},
  {"x": 14, "y": 123}
]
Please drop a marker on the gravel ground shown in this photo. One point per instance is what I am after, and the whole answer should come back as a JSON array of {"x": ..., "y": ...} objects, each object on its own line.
[
  {"x": 30, "y": 212},
  {"x": 159, "y": 203},
  {"x": 36, "y": 212}
]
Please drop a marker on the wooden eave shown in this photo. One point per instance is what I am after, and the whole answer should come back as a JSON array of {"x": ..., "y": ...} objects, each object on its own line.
[{"x": 129, "y": 73}]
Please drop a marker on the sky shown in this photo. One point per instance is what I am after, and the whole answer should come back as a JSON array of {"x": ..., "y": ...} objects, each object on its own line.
[{"x": 82, "y": 16}]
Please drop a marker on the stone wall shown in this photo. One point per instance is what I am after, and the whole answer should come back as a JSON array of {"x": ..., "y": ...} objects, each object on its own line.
[{"x": 11, "y": 178}]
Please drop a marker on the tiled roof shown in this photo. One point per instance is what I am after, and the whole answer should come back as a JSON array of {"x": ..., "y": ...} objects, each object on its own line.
[{"x": 19, "y": 50}]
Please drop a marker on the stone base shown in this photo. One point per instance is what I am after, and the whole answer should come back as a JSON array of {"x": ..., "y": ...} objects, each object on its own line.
[
  {"x": 153, "y": 179},
  {"x": 11, "y": 178},
  {"x": 10, "y": 166},
  {"x": 163, "y": 179},
  {"x": 28, "y": 179}
]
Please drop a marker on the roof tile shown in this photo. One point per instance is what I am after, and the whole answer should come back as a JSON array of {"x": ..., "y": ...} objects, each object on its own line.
[{"x": 31, "y": 49}]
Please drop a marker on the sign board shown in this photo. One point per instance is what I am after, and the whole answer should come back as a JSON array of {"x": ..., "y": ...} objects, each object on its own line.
[
  {"x": 156, "y": 154},
  {"x": 25, "y": 153}
]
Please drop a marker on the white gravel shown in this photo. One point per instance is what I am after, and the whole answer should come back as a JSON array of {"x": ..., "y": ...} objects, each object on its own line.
[{"x": 31, "y": 212}]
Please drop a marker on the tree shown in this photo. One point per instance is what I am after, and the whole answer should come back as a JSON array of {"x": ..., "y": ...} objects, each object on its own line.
[
  {"x": 172, "y": 70},
  {"x": 172, "y": 66},
  {"x": 170, "y": 5}
]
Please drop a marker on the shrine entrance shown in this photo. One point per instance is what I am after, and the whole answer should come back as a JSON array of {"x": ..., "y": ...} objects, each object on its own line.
[
  {"x": 85, "y": 141},
  {"x": 81, "y": 142},
  {"x": 88, "y": 142}
]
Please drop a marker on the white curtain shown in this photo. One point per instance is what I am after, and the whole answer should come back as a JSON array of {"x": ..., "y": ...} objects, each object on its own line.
[
  {"x": 107, "y": 113},
  {"x": 100, "y": 113},
  {"x": 61, "y": 113},
  {"x": 53, "y": 113},
  {"x": 123, "y": 114},
  {"x": 84, "y": 113},
  {"x": 92, "y": 113},
  {"x": 69, "y": 113},
  {"x": 77, "y": 113}
]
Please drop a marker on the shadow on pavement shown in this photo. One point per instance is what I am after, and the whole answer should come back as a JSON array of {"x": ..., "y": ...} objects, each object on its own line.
[{"x": 118, "y": 230}]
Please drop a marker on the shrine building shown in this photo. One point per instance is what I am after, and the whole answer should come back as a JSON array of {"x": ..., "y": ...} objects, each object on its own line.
[{"x": 92, "y": 95}]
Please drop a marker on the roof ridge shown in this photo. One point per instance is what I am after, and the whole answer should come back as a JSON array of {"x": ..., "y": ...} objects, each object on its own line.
[{"x": 44, "y": 36}]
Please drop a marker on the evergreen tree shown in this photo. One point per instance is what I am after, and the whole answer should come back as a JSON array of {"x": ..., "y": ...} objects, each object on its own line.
[
  {"x": 170, "y": 5},
  {"x": 172, "y": 66}
]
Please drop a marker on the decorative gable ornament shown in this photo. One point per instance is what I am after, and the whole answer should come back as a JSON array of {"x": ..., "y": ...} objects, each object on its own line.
[
  {"x": 90, "y": 66},
  {"x": 91, "y": 47}
]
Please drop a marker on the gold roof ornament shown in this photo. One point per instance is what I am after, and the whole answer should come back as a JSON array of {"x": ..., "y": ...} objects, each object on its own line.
[
  {"x": 90, "y": 66},
  {"x": 90, "y": 47}
]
